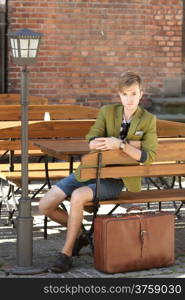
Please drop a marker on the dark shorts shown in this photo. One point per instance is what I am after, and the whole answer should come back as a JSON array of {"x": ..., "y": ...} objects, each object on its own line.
[{"x": 110, "y": 188}]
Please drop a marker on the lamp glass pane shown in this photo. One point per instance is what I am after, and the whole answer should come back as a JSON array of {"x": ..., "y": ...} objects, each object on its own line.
[
  {"x": 24, "y": 53},
  {"x": 23, "y": 44},
  {"x": 15, "y": 43},
  {"x": 12, "y": 43},
  {"x": 15, "y": 53},
  {"x": 32, "y": 53},
  {"x": 14, "y": 47},
  {"x": 34, "y": 44}
]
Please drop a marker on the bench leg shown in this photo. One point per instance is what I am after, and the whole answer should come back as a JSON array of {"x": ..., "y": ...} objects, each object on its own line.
[
  {"x": 89, "y": 236},
  {"x": 45, "y": 228},
  {"x": 180, "y": 182},
  {"x": 178, "y": 209},
  {"x": 113, "y": 209},
  {"x": 1, "y": 206}
]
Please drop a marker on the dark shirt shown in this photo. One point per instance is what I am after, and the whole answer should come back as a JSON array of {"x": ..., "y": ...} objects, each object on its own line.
[{"x": 123, "y": 133}]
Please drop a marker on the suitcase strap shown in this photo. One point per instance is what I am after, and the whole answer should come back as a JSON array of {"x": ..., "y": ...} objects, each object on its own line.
[{"x": 143, "y": 236}]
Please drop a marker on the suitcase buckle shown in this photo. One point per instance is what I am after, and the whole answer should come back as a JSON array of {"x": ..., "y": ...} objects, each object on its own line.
[{"x": 143, "y": 232}]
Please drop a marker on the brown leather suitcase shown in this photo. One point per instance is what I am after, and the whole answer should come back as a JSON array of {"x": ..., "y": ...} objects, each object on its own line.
[{"x": 133, "y": 241}]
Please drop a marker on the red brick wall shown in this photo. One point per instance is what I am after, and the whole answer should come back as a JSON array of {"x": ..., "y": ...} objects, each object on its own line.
[{"x": 87, "y": 44}]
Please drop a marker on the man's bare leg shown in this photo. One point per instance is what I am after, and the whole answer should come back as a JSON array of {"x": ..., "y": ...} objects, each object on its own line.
[
  {"x": 49, "y": 205},
  {"x": 79, "y": 197}
]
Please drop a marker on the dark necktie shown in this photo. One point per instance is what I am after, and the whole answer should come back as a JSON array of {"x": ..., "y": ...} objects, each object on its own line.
[{"x": 124, "y": 130}]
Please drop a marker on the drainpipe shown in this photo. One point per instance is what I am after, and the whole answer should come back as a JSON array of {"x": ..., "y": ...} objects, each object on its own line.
[{"x": 3, "y": 46}]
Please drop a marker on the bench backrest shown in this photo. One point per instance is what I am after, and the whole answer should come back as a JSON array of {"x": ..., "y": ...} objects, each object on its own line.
[
  {"x": 67, "y": 121},
  {"x": 14, "y": 99},
  {"x": 170, "y": 160},
  {"x": 50, "y": 129},
  {"x": 170, "y": 128},
  {"x": 71, "y": 121},
  {"x": 56, "y": 111},
  {"x": 66, "y": 112}
]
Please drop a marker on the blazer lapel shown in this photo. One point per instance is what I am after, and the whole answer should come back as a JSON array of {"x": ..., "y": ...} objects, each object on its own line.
[
  {"x": 135, "y": 121},
  {"x": 118, "y": 120}
]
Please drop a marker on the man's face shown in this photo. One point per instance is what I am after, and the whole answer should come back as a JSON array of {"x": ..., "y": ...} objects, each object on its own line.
[{"x": 130, "y": 97}]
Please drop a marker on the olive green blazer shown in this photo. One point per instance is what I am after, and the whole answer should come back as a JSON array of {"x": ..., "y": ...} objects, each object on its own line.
[{"x": 142, "y": 128}]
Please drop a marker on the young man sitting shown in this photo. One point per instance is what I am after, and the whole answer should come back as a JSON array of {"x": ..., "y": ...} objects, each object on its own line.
[{"x": 124, "y": 126}]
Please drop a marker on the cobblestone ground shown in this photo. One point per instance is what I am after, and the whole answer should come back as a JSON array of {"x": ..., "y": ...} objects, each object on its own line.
[{"x": 44, "y": 251}]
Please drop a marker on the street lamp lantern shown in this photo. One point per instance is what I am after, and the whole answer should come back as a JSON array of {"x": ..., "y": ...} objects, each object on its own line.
[
  {"x": 24, "y": 47},
  {"x": 24, "y": 44}
]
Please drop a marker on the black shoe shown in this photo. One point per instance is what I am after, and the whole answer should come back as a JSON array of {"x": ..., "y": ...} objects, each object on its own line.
[
  {"x": 80, "y": 242},
  {"x": 62, "y": 264}
]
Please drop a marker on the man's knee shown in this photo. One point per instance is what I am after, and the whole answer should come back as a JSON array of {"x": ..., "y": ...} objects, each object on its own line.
[
  {"x": 81, "y": 196},
  {"x": 51, "y": 201},
  {"x": 44, "y": 208}
]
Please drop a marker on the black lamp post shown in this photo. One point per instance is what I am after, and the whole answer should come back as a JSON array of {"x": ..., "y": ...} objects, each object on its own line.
[{"x": 24, "y": 45}]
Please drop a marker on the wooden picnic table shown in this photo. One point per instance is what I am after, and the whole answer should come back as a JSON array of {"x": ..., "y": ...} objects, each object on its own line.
[{"x": 64, "y": 149}]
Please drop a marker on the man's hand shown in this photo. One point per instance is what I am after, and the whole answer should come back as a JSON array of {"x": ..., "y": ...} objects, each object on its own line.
[{"x": 107, "y": 143}]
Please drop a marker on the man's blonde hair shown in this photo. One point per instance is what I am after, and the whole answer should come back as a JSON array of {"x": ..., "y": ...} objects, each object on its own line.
[{"x": 127, "y": 79}]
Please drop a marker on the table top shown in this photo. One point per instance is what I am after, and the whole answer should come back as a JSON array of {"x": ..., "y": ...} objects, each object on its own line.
[{"x": 62, "y": 149}]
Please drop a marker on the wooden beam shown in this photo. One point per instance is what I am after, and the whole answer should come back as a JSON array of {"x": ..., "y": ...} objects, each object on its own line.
[
  {"x": 170, "y": 128},
  {"x": 148, "y": 196},
  {"x": 131, "y": 171},
  {"x": 48, "y": 129},
  {"x": 57, "y": 112},
  {"x": 168, "y": 150}
]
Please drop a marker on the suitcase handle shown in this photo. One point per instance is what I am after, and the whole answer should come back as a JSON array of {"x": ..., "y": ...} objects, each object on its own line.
[{"x": 129, "y": 209}]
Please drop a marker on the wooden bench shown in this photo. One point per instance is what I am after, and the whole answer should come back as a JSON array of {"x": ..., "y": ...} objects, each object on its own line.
[
  {"x": 170, "y": 161},
  {"x": 36, "y": 113},
  {"x": 171, "y": 137},
  {"x": 48, "y": 129},
  {"x": 56, "y": 111},
  {"x": 75, "y": 122},
  {"x": 36, "y": 173},
  {"x": 165, "y": 129}
]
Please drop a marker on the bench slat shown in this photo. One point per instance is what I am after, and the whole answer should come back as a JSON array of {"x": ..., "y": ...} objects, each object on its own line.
[
  {"x": 57, "y": 112},
  {"x": 130, "y": 171},
  {"x": 168, "y": 150},
  {"x": 170, "y": 128},
  {"x": 147, "y": 196},
  {"x": 16, "y": 176},
  {"x": 48, "y": 129},
  {"x": 40, "y": 166}
]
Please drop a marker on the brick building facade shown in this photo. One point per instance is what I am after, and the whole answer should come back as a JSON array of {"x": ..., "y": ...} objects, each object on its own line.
[{"x": 87, "y": 44}]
